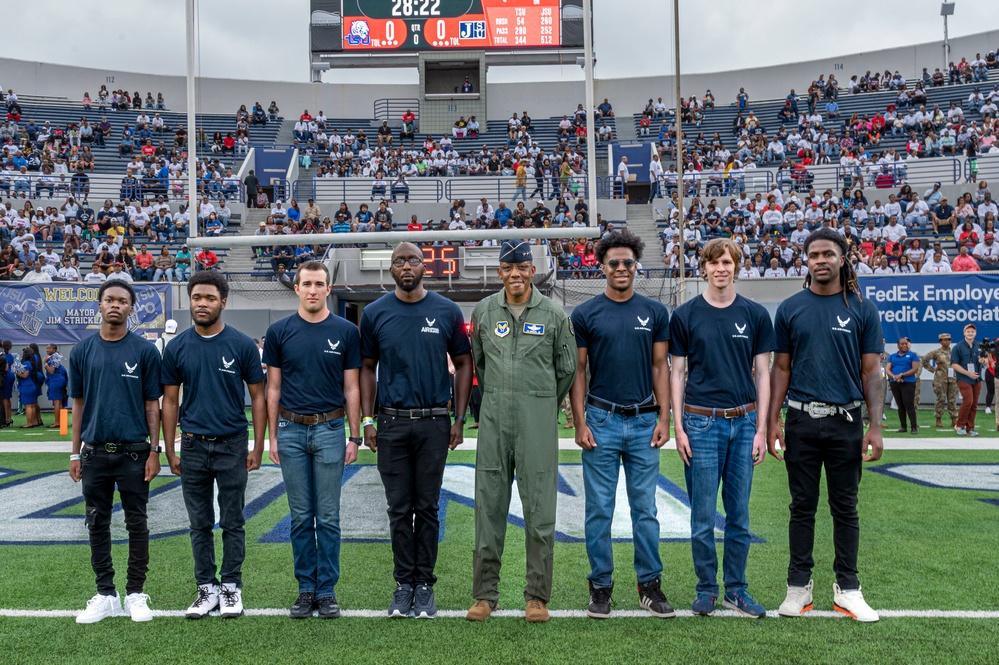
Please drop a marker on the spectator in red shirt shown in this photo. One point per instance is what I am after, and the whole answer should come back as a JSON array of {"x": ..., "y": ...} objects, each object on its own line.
[
  {"x": 207, "y": 259},
  {"x": 143, "y": 265},
  {"x": 414, "y": 224},
  {"x": 964, "y": 262},
  {"x": 305, "y": 117}
]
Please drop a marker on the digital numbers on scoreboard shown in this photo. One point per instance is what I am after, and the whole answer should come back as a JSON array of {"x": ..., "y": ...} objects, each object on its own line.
[
  {"x": 441, "y": 261},
  {"x": 389, "y": 25}
]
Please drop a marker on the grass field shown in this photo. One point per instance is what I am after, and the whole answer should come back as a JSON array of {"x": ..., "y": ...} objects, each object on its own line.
[{"x": 923, "y": 548}]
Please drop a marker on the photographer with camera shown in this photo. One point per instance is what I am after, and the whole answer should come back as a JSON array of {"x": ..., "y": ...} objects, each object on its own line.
[
  {"x": 966, "y": 358},
  {"x": 989, "y": 352}
]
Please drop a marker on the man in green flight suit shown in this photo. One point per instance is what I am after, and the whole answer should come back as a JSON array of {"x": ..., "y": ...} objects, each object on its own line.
[{"x": 525, "y": 360}]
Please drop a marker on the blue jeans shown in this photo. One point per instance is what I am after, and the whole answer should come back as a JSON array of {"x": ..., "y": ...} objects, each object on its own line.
[
  {"x": 312, "y": 458},
  {"x": 721, "y": 453},
  {"x": 621, "y": 440}
]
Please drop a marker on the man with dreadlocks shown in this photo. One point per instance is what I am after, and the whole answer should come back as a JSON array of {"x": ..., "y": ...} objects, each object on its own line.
[{"x": 827, "y": 363}]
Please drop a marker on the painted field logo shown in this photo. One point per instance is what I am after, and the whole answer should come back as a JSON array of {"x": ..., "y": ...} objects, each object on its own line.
[
  {"x": 45, "y": 509},
  {"x": 981, "y": 477}
]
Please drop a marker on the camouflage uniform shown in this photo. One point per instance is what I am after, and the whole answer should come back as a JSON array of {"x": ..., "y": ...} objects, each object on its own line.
[
  {"x": 567, "y": 411},
  {"x": 945, "y": 389}
]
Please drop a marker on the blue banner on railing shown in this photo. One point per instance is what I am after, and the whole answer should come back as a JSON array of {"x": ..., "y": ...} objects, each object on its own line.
[
  {"x": 921, "y": 307},
  {"x": 61, "y": 313}
]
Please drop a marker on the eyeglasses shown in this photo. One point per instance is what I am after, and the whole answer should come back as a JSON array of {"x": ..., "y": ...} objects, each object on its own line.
[
  {"x": 413, "y": 261},
  {"x": 616, "y": 263}
]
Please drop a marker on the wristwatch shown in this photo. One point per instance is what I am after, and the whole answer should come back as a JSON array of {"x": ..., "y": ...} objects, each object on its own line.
[
  {"x": 156, "y": 449},
  {"x": 459, "y": 419},
  {"x": 356, "y": 439}
]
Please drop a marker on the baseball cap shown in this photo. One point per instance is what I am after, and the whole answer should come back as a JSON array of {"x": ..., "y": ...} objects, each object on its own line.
[
  {"x": 936, "y": 184},
  {"x": 263, "y": 223},
  {"x": 942, "y": 336},
  {"x": 170, "y": 326},
  {"x": 972, "y": 326},
  {"x": 990, "y": 236}
]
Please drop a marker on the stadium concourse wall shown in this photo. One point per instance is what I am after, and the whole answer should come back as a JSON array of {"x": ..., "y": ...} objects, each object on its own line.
[{"x": 628, "y": 95}]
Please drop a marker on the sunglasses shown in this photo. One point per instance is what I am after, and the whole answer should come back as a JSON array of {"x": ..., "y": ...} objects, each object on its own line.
[{"x": 614, "y": 264}]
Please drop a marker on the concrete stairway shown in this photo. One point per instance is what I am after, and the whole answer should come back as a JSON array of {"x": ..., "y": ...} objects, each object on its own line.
[{"x": 641, "y": 222}]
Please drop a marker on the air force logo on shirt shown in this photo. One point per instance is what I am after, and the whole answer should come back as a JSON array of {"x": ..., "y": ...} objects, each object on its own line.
[
  {"x": 502, "y": 328},
  {"x": 643, "y": 324},
  {"x": 429, "y": 328},
  {"x": 226, "y": 365},
  {"x": 333, "y": 347},
  {"x": 534, "y": 329},
  {"x": 130, "y": 369},
  {"x": 843, "y": 323},
  {"x": 740, "y": 331}
]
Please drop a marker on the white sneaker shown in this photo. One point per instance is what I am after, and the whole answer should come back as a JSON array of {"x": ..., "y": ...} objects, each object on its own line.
[
  {"x": 230, "y": 601},
  {"x": 137, "y": 607},
  {"x": 798, "y": 600},
  {"x": 207, "y": 600},
  {"x": 988, "y": 410},
  {"x": 100, "y": 607},
  {"x": 852, "y": 604}
]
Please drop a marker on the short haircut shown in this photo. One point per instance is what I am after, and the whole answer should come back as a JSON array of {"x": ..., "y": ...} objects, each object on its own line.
[
  {"x": 210, "y": 277},
  {"x": 619, "y": 239},
  {"x": 716, "y": 248},
  {"x": 116, "y": 283},
  {"x": 312, "y": 265}
]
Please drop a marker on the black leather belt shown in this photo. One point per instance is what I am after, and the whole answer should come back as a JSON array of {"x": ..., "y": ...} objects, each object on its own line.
[
  {"x": 203, "y": 437},
  {"x": 311, "y": 418},
  {"x": 620, "y": 409},
  {"x": 415, "y": 414},
  {"x": 735, "y": 412},
  {"x": 119, "y": 447}
]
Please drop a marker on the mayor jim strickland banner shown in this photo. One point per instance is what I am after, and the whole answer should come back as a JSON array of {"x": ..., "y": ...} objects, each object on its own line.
[
  {"x": 60, "y": 313},
  {"x": 921, "y": 307}
]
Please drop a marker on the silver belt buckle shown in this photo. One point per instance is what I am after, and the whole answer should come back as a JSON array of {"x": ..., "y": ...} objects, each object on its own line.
[{"x": 819, "y": 410}]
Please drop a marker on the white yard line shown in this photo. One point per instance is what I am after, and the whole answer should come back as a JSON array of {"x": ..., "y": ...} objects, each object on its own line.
[{"x": 556, "y": 614}]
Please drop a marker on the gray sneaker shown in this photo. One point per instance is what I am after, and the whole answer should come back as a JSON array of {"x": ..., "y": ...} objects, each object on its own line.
[
  {"x": 424, "y": 606},
  {"x": 402, "y": 602}
]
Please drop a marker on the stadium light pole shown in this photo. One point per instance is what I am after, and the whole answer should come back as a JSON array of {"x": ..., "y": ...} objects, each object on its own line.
[
  {"x": 591, "y": 164},
  {"x": 946, "y": 9},
  {"x": 682, "y": 294},
  {"x": 192, "y": 171}
]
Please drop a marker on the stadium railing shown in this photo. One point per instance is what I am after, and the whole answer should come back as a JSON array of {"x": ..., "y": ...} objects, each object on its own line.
[
  {"x": 500, "y": 188},
  {"x": 106, "y": 186},
  {"x": 392, "y": 109},
  {"x": 988, "y": 167},
  {"x": 833, "y": 176}
]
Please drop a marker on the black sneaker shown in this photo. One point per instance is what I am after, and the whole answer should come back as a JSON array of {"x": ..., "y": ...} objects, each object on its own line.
[
  {"x": 304, "y": 606},
  {"x": 328, "y": 608},
  {"x": 651, "y": 598},
  {"x": 402, "y": 602},
  {"x": 424, "y": 606},
  {"x": 600, "y": 602}
]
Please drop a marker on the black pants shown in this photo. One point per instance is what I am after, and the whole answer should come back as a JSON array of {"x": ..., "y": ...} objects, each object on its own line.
[
  {"x": 205, "y": 464},
  {"x": 905, "y": 401},
  {"x": 101, "y": 472},
  {"x": 812, "y": 443},
  {"x": 990, "y": 388},
  {"x": 475, "y": 402},
  {"x": 411, "y": 459}
]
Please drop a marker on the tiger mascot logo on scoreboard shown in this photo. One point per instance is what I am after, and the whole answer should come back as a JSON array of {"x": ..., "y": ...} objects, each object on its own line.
[{"x": 360, "y": 34}]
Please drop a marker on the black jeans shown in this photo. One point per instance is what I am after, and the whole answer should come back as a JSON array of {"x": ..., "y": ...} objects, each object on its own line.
[
  {"x": 905, "y": 401},
  {"x": 990, "y": 388},
  {"x": 203, "y": 465},
  {"x": 812, "y": 443},
  {"x": 101, "y": 472},
  {"x": 475, "y": 402},
  {"x": 411, "y": 459}
]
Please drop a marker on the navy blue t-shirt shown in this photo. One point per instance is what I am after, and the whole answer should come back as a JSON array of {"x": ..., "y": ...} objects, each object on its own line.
[
  {"x": 902, "y": 363},
  {"x": 115, "y": 379},
  {"x": 719, "y": 344},
  {"x": 618, "y": 338},
  {"x": 212, "y": 371},
  {"x": 410, "y": 342},
  {"x": 826, "y": 340},
  {"x": 312, "y": 358}
]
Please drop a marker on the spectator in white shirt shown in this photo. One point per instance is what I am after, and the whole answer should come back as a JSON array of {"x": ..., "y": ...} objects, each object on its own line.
[
  {"x": 987, "y": 253},
  {"x": 938, "y": 265}
]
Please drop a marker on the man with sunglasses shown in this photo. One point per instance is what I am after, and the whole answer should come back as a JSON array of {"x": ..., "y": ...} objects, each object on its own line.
[
  {"x": 406, "y": 337},
  {"x": 525, "y": 361},
  {"x": 624, "y": 338}
]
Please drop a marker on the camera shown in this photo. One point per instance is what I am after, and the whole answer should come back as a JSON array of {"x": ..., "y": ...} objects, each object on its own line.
[{"x": 988, "y": 346}]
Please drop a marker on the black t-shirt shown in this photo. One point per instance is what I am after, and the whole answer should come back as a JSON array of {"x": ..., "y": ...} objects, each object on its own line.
[
  {"x": 826, "y": 340},
  {"x": 383, "y": 217},
  {"x": 312, "y": 358},
  {"x": 720, "y": 344},
  {"x": 115, "y": 379},
  {"x": 618, "y": 338},
  {"x": 410, "y": 342},
  {"x": 212, "y": 371}
]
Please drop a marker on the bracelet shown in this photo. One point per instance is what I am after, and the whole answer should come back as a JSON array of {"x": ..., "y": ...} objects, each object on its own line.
[
  {"x": 74, "y": 458},
  {"x": 367, "y": 420}
]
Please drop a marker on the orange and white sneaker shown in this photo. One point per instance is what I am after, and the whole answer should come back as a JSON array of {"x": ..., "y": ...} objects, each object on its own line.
[
  {"x": 798, "y": 600},
  {"x": 852, "y": 604}
]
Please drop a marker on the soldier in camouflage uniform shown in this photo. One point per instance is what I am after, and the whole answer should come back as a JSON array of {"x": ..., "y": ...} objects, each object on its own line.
[{"x": 944, "y": 383}]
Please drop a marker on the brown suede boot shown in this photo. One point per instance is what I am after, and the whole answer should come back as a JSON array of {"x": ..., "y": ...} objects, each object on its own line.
[
  {"x": 537, "y": 611},
  {"x": 939, "y": 424},
  {"x": 480, "y": 611}
]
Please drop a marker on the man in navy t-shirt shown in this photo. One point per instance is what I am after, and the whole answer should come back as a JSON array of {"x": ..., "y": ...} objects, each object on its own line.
[
  {"x": 406, "y": 337},
  {"x": 213, "y": 362},
  {"x": 114, "y": 382},
  {"x": 313, "y": 358},
  {"x": 966, "y": 359},
  {"x": 721, "y": 344},
  {"x": 902, "y": 370},
  {"x": 827, "y": 363},
  {"x": 624, "y": 338}
]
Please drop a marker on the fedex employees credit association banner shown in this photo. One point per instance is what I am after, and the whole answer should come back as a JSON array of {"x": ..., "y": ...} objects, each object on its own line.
[
  {"x": 64, "y": 313},
  {"x": 921, "y": 307}
]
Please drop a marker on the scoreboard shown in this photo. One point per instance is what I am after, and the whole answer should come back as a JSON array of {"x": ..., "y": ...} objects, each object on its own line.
[{"x": 387, "y": 26}]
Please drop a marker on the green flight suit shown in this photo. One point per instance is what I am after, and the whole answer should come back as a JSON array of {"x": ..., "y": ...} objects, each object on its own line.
[{"x": 525, "y": 369}]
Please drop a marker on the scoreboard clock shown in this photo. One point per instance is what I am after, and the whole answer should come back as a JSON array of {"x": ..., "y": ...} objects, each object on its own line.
[{"x": 386, "y": 26}]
